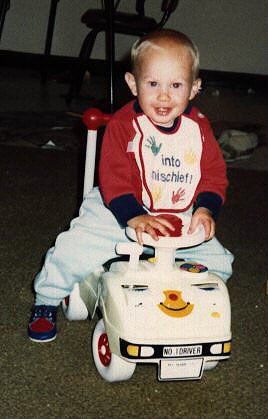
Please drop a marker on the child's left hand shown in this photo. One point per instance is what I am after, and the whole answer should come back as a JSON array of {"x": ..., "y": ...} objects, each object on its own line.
[{"x": 203, "y": 216}]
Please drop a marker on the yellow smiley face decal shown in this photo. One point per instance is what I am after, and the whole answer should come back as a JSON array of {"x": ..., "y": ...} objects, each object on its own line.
[{"x": 174, "y": 305}]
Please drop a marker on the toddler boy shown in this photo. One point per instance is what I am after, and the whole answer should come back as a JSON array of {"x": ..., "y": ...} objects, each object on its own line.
[{"x": 159, "y": 155}]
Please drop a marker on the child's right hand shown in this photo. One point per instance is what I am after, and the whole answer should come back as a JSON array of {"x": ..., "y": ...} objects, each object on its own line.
[{"x": 149, "y": 224}]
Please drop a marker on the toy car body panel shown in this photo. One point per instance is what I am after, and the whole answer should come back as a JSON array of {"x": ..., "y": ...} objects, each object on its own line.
[
  {"x": 175, "y": 314},
  {"x": 153, "y": 315}
]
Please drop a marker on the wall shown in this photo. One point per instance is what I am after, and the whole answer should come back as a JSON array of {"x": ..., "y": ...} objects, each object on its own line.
[{"x": 231, "y": 34}]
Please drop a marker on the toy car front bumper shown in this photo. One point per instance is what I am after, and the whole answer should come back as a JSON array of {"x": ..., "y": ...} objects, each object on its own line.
[
  {"x": 133, "y": 351},
  {"x": 177, "y": 362}
]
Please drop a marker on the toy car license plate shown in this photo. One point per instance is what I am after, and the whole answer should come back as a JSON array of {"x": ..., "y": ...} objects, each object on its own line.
[
  {"x": 183, "y": 351},
  {"x": 181, "y": 369}
]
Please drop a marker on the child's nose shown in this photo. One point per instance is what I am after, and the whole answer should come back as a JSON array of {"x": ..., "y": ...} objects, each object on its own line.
[{"x": 163, "y": 94}]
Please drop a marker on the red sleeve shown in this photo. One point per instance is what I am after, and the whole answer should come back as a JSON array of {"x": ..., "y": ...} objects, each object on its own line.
[
  {"x": 213, "y": 166},
  {"x": 116, "y": 173}
]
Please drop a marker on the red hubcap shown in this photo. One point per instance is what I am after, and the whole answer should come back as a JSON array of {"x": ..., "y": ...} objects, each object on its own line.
[
  {"x": 67, "y": 300},
  {"x": 104, "y": 350}
]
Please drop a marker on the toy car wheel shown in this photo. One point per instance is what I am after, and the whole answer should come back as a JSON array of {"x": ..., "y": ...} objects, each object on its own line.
[
  {"x": 110, "y": 366},
  {"x": 209, "y": 365}
]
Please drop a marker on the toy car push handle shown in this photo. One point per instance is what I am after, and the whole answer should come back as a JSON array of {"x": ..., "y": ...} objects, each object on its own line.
[{"x": 93, "y": 119}]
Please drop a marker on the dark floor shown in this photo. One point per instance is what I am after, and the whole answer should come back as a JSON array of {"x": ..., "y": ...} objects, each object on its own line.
[{"x": 39, "y": 195}]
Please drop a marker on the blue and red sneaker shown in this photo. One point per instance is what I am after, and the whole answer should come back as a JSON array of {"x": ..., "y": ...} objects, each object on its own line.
[{"x": 42, "y": 324}]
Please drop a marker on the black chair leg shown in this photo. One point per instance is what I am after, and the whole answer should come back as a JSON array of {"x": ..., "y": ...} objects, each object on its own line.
[
  {"x": 81, "y": 66},
  {"x": 110, "y": 52},
  {"x": 4, "y": 6},
  {"x": 49, "y": 37}
]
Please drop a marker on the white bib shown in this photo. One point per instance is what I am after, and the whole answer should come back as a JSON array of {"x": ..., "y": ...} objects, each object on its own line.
[{"x": 169, "y": 163}]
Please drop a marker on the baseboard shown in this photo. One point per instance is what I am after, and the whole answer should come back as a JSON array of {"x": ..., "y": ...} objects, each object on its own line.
[
  {"x": 34, "y": 61},
  {"x": 234, "y": 80},
  {"x": 52, "y": 63},
  {"x": 55, "y": 63}
]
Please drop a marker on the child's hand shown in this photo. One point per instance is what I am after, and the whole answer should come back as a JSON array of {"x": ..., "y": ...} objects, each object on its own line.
[
  {"x": 203, "y": 216},
  {"x": 149, "y": 224}
]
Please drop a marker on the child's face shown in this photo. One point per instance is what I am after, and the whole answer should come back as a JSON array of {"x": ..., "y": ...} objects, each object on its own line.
[{"x": 164, "y": 84}]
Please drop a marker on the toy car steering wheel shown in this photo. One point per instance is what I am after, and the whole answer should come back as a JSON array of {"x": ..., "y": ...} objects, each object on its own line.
[{"x": 185, "y": 240}]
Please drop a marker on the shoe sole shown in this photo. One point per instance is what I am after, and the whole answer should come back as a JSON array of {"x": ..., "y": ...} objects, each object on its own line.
[{"x": 42, "y": 341}]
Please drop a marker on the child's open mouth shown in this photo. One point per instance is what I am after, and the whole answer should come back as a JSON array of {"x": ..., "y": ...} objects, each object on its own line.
[{"x": 163, "y": 111}]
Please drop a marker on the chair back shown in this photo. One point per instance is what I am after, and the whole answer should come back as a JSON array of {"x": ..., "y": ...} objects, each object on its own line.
[
  {"x": 168, "y": 7},
  {"x": 140, "y": 7}
]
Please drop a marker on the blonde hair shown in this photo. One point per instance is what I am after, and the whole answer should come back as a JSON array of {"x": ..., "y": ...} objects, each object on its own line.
[{"x": 154, "y": 39}]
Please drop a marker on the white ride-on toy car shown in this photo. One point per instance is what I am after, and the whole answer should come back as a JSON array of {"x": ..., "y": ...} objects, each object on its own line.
[{"x": 158, "y": 310}]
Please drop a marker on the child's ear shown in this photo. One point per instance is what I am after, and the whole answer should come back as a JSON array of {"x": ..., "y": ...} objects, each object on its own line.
[
  {"x": 131, "y": 82},
  {"x": 196, "y": 87}
]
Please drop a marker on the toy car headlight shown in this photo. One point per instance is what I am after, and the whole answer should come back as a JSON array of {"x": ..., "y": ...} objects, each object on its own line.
[
  {"x": 216, "y": 348},
  {"x": 142, "y": 351},
  {"x": 219, "y": 348},
  {"x": 227, "y": 347},
  {"x": 133, "y": 350}
]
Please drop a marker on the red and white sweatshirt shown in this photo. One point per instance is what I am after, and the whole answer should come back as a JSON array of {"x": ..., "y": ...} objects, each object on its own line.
[{"x": 148, "y": 168}]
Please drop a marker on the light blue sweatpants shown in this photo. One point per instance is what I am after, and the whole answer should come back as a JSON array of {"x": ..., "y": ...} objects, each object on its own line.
[{"x": 91, "y": 241}]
